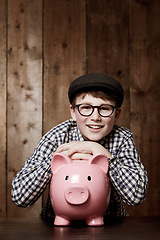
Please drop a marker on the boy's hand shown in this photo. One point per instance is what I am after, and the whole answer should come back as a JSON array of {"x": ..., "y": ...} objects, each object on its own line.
[{"x": 82, "y": 150}]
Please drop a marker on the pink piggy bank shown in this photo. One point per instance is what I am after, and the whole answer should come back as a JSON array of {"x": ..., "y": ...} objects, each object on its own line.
[{"x": 79, "y": 190}]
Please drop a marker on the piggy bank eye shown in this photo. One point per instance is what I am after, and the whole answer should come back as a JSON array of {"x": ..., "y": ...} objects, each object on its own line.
[
  {"x": 89, "y": 178},
  {"x": 66, "y": 177}
]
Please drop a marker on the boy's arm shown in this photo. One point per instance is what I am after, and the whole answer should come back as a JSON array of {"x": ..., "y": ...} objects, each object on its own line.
[
  {"x": 32, "y": 179},
  {"x": 128, "y": 175}
]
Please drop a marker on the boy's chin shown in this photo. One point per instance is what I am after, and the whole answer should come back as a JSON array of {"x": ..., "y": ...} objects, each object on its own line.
[{"x": 92, "y": 138}]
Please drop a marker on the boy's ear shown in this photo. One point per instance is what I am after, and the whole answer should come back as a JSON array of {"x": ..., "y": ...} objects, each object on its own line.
[
  {"x": 72, "y": 111},
  {"x": 118, "y": 113}
]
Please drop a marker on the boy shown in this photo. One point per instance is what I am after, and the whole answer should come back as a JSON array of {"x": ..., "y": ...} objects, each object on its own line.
[{"x": 96, "y": 101}]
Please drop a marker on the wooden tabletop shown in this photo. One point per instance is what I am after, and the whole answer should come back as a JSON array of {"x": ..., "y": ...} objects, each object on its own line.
[{"x": 130, "y": 228}]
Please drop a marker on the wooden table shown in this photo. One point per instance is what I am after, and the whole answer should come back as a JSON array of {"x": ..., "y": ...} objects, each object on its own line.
[{"x": 130, "y": 228}]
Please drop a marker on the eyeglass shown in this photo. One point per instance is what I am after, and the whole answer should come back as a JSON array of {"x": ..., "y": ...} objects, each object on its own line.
[{"x": 104, "y": 110}]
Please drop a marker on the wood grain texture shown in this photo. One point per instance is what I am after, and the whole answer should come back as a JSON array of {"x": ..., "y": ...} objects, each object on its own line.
[
  {"x": 145, "y": 89},
  {"x": 3, "y": 60},
  {"x": 64, "y": 55},
  {"x": 24, "y": 106}
]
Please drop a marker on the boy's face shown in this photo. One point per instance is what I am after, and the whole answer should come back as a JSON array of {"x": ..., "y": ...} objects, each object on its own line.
[{"x": 94, "y": 127}]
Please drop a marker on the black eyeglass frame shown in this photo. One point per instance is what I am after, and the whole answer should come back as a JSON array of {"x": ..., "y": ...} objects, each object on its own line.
[{"x": 93, "y": 107}]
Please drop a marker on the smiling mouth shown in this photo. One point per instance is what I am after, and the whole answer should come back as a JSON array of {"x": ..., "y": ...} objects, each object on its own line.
[{"x": 94, "y": 126}]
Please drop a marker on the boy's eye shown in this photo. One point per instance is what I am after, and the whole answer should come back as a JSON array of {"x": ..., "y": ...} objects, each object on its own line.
[
  {"x": 85, "y": 107},
  {"x": 105, "y": 108}
]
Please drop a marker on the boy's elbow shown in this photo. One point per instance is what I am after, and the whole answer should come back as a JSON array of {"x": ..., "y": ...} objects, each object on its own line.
[
  {"x": 138, "y": 195},
  {"x": 18, "y": 200},
  {"x": 135, "y": 201}
]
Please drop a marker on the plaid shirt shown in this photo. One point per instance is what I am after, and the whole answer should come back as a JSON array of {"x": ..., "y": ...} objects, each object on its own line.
[{"x": 127, "y": 174}]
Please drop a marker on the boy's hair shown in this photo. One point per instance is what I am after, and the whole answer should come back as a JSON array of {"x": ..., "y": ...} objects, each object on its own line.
[
  {"x": 96, "y": 94},
  {"x": 96, "y": 82}
]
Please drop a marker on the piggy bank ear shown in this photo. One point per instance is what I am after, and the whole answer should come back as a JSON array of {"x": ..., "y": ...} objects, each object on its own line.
[
  {"x": 100, "y": 160},
  {"x": 58, "y": 160}
]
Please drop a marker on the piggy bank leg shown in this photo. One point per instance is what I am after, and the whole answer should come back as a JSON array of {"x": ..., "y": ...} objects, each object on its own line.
[
  {"x": 60, "y": 221},
  {"x": 97, "y": 221}
]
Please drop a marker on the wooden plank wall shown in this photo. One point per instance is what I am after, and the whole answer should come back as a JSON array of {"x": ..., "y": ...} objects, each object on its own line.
[
  {"x": 3, "y": 102},
  {"x": 144, "y": 93},
  {"x": 44, "y": 44},
  {"x": 24, "y": 89}
]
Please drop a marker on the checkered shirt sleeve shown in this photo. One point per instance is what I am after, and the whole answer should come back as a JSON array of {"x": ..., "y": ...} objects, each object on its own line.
[{"x": 127, "y": 174}]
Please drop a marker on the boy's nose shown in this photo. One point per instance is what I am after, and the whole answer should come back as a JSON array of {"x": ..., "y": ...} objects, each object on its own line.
[{"x": 95, "y": 115}]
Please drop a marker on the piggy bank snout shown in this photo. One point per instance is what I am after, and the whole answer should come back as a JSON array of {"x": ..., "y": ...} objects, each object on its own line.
[{"x": 76, "y": 194}]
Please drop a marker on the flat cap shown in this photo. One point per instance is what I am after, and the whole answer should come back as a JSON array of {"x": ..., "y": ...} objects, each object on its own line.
[{"x": 96, "y": 82}]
